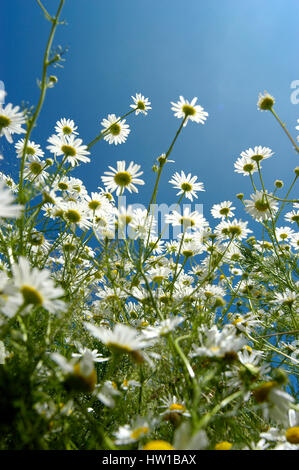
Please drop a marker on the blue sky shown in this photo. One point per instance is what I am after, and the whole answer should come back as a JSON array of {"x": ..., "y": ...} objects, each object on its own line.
[{"x": 222, "y": 51}]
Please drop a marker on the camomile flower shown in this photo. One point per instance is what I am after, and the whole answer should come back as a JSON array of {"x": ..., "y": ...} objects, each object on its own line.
[
  {"x": 218, "y": 344},
  {"x": 257, "y": 154},
  {"x": 142, "y": 225},
  {"x": 9, "y": 182},
  {"x": 159, "y": 274},
  {"x": 7, "y": 208},
  {"x": 97, "y": 202},
  {"x": 189, "y": 110},
  {"x": 121, "y": 178},
  {"x": 107, "y": 393},
  {"x": 122, "y": 339},
  {"x": 288, "y": 298},
  {"x": 275, "y": 403},
  {"x": 163, "y": 328},
  {"x": 292, "y": 217},
  {"x": 232, "y": 229},
  {"x": 79, "y": 375},
  {"x": 76, "y": 214},
  {"x": 95, "y": 355},
  {"x": 295, "y": 241},
  {"x": 11, "y": 121},
  {"x": 222, "y": 210},
  {"x": 65, "y": 127},
  {"x": 141, "y": 104},
  {"x": 37, "y": 287},
  {"x": 188, "y": 219},
  {"x": 128, "y": 434},
  {"x": 283, "y": 233},
  {"x": 245, "y": 166},
  {"x": 115, "y": 129},
  {"x": 261, "y": 205},
  {"x": 69, "y": 146},
  {"x": 265, "y": 101},
  {"x": 34, "y": 170},
  {"x": 37, "y": 242},
  {"x": 192, "y": 247},
  {"x": 173, "y": 406},
  {"x": 32, "y": 149},
  {"x": 186, "y": 184}
]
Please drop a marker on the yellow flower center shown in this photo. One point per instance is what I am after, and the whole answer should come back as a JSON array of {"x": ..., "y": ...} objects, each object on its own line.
[
  {"x": 261, "y": 393},
  {"x": 224, "y": 211},
  {"x": 292, "y": 435},
  {"x": 158, "y": 445},
  {"x": 141, "y": 105},
  {"x": 138, "y": 432},
  {"x": 63, "y": 186},
  {"x": 186, "y": 187},
  {"x": 35, "y": 168},
  {"x": 122, "y": 178},
  {"x": 177, "y": 407},
  {"x": 66, "y": 130},
  {"x": 30, "y": 151},
  {"x": 187, "y": 222},
  {"x": 115, "y": 129},
  {"x": 73, "y": 216},
  {"x": 257, "y": 158},
  {"x": 261, "y": 205},
  {"x": 248, "y": 167},
  {"x": 68, "y": 150},
  {"x": 31, "y": 295},
  {"x": 4, "y": 121},
  {"x": 224, "y": 445},
  {"x": 93, "y": 205},
  {"x": 188, "y": 110}
]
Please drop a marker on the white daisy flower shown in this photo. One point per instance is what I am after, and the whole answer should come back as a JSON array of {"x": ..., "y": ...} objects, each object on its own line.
[
  {"x": 222, "y": 210},
  {"x": 76, "y": 214},
  {"x": 141, "y": 104},
  {"x": 37, "y": 287},
  {"x": 69, "y": 146},
  {"x": 232, "y": 228},
  {"x": 128, "y": 434},
  {"x": 275, "y": 403},
  {"x": 261, "y": 205},
  {"x": 186, "y": 184},
  {"x": 188, "y": 219},
  {"x": 94, "y": 354},
  {"x": 107, "y": 393},
  {"x": 284, "y": 233},
  {"x": 121, "y": 178},
  {"x": 172, "y": 405},
  {"x": 34, "y": 170},
  {"x": 97, "y": 202},
  {"x": 189, "y": 110},
  {"x": 163, "y": 328},
  {"x": 115, "y": 129},
  {"x": 257, "y": 154},
  {"x": 265, "y": 101},
  {"x": 65, "y": 127},
  {"x": 7, "y": 208},
  {"x": 218, "y": 344},
  {"x": 122, "y": 339},
  {"x": 32, "y": 149},
  {"x": 11, "y": 121},
  {"x": 292, "y": 217},
  {"x": 245, "y": 166},
  {"x": 9, "y": 182},
  {"x": 295, "y": 241},
  {"x": 142, "y": 225}
]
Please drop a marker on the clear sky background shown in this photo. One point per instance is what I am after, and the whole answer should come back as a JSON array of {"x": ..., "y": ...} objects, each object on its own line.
[{"x": 222, "y": 51}]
